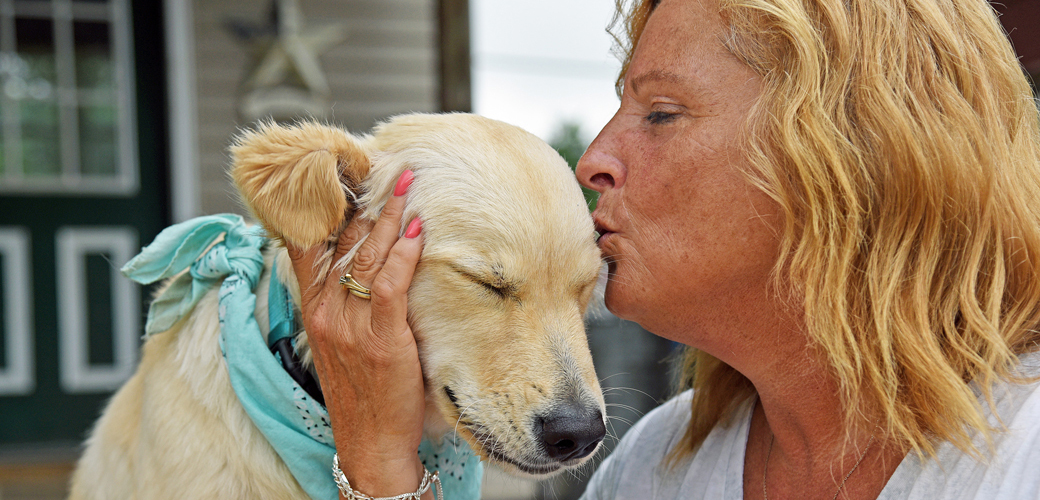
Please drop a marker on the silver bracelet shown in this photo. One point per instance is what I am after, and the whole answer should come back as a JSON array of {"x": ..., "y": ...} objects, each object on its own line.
[{"x": 348, "y": 492}]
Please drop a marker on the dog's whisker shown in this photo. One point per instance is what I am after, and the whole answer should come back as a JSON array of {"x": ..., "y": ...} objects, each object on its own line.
[
  {"x": 631, "y": 390},
  {"x": 484, "y": 443},
  {"x": 612, "y": 414},
  {"x": 611, "y": 419},
  {"x": 637, "y": 411},
  {"x": 625, "y": 421},
  {"x": 619, "y": 417},
  {"x": 608, "y": 377},
  {"x": 455, "y": 437},
  {"x": 552, "y": 490},
  {"x": 624, "y": 406},
  {"x": 572, "y": 474}
]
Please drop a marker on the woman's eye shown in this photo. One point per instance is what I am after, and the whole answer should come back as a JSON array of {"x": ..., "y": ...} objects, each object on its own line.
[{"x": 659, "y": 117}]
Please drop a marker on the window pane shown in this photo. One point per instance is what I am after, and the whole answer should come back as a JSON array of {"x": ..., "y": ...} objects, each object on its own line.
[
  {"x": 41, "y": 154},
  {"x": 97, "y": 140},
  {"x": 93, "y": 55},
  {"x": 35, "y": 46},
  {"x": 100, "y": 347},
  {"x": 29, "y": 81}
]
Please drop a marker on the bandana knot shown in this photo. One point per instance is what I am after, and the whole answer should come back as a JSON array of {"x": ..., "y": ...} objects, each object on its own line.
[{"x": 180, "y": 247}]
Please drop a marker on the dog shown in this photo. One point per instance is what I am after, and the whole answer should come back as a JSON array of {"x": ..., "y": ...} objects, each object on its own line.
[{"x": 496, "y": 304}]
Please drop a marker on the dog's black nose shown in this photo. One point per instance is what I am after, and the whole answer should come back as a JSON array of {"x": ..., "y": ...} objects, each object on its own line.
[{"x": 571, "y": 431}]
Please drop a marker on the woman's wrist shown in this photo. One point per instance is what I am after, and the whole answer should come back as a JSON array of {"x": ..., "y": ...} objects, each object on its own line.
[
  {"x": 378, "y": 475},
  {"x": 383, "y": 480}
]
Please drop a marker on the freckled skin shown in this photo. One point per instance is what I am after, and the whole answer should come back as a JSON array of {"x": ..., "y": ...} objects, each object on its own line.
[{"x": 690, "y": 241}]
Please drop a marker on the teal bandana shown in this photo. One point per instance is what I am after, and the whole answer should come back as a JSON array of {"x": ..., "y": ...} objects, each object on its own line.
[{"x": 295, "y": 424}]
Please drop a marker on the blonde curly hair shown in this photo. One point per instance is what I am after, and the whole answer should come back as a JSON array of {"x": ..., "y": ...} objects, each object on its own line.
[{"x": 900, "y": 139}]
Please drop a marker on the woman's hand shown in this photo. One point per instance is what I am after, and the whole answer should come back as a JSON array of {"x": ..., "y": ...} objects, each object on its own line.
[{"x": 364, "y": 351}]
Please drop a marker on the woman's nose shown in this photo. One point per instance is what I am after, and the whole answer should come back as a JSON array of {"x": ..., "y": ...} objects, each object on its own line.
[{"x": 599, "y": 168}]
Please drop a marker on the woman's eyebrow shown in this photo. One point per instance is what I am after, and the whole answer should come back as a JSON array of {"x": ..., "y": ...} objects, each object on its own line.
[
  {"x": 692, "y": 85},
  {"x": 656, "y": 75}
]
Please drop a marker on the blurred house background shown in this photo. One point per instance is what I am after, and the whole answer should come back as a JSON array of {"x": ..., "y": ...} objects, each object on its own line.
[{"x": 115, "y": 116}]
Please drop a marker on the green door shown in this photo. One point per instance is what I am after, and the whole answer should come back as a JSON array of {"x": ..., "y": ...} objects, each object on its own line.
[{"x": 82, "y": 185}]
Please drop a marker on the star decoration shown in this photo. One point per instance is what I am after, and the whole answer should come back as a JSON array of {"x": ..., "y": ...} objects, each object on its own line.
[{"x": 286, "y": 72}]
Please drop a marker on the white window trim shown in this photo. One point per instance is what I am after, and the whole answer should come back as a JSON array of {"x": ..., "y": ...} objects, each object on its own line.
[
  {"x": 73, "y": 244},
  {"x": 18, "y": 376}
]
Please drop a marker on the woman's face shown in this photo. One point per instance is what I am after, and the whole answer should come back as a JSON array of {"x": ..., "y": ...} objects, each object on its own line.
[{"x": 690, "y": 242}]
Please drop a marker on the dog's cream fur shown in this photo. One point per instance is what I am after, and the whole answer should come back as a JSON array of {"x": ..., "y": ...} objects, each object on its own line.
[{"x": 496, "y": 304}]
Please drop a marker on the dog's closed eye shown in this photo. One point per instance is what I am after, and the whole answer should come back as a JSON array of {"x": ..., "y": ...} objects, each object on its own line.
[
  {"x": 493, "y": 282},
  {"x": 502, "y": 292}
]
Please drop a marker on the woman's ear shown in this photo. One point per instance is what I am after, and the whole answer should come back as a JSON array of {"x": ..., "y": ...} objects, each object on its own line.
[{"x": 295, "y": 178}]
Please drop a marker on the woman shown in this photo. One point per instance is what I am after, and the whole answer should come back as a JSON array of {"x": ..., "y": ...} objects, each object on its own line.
[{"x": 832, "y": 202}]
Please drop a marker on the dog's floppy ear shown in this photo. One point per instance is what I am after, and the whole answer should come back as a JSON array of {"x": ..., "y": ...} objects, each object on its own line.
[{"x": 295, "y": 178}]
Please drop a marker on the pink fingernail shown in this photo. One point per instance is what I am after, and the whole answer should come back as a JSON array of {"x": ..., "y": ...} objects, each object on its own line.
[
  {"x": 414, "y": 228},
  {"x": 403, "y": 182}
]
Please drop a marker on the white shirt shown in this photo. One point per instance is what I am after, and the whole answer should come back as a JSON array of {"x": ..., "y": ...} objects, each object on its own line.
[{"x": 635, "y": 469}]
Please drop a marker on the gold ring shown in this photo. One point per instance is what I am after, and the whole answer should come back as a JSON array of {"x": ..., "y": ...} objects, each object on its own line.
[{"x": 350, "y": 284}]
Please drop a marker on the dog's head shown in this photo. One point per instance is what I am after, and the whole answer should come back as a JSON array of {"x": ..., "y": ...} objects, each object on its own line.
[{"x": 508, "y": 267}]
